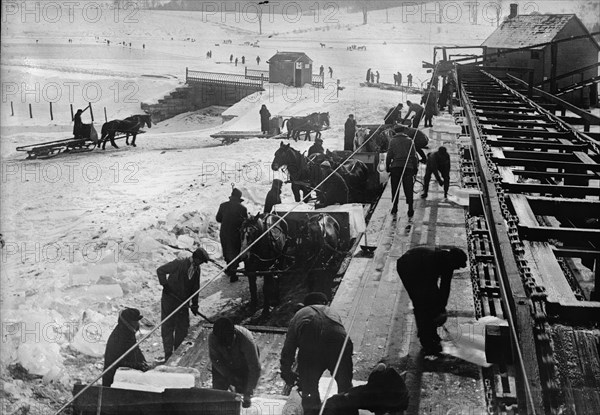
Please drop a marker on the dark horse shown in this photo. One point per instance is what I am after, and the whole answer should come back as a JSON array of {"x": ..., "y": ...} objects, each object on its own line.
[
  {"x": 305, "y": 173},
  {"x": 264, "y": 256},
  {"x": 313, "y": 122},
  {"x": 129, "y": 126}
]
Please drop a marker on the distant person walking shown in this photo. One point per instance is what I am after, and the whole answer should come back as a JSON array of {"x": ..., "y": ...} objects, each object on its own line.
[
  {"x": 349, "y": 133},
  {"x": 231, "y": 58},
  {"x": 258, "y": 60},
  {"x": 236, "y": 61},
  {"x": 330, "y": 72},
  {"x": 243, "y": 60},
  {"x": 265, "y": 116},
  {"x": 377, "y": 76},
  {"x": 372, "y": 78},
  {"x": 409, "y": 79},
  {"x": 369, "y": 75},
  {"x": 395, "y": 79},
  {"x": 399, "y": 79},
  {"x": 321, "y": 70}
]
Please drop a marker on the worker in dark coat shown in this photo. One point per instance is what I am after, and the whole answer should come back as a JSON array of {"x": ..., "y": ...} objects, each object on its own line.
[
  {"x": 180, "y": 279},
  {"x": 317, "y": 147},
  {"x": 430, "y": 99},
  {"x": 235, "y": 359},
  {"x": 120, "y": 340},
  {"x": 231, "y": 214},
  {"x": 349, "y": 132},
  {"x": 369, "y": 75},
  {"x": 273, "y": 196},
  {"x": 402, "y": 164},
  {"x": 265, "y": 116},
  {"x": 393, "y": 115},
  {"x": 384, "y": 392},
  {"x": 417, "y": 109},
  {"x": 438, "y": 163},
  {"x": 318, "y": 334},
  {"x": 426, "y": 273},
  {"x": 419, "y": 137},
  {"x": 334, "y": 190}
]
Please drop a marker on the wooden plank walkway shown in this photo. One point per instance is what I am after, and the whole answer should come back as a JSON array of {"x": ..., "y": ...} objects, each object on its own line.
[{"x": 377, "y": 310}]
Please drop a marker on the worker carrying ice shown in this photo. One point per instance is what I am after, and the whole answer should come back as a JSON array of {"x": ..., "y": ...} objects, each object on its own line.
[
  {"x": 333, "y": 190},
  {"x": 235, "y": 359},
  {"x": 120, "y": 340},
  {"x": 385, "y": 392},
  {"x": 180, "y": 279},
  {"x": 318, "y": 334},
  {"x": 438, "y": 164},
  {"x": 426, "y": 273}
]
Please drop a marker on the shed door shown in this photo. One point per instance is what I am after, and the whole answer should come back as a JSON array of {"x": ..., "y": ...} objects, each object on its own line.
[{"x": 298, "y": 78}]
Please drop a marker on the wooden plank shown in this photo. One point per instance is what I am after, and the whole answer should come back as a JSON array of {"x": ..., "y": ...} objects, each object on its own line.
[
  {"x": 523, "y": 210},
  {"x": 584, "y": 157}
]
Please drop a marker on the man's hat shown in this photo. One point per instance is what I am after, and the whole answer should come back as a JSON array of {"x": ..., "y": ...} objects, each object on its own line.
[
  {"x": 318, "y": 139},
  {"x": 200, "y": 254},
  {"x": 315, "y": 298},
  {"x": 236, "y": 194},
  {"x": 326, "y": 164},
  {"x": 131, "y": 315}
]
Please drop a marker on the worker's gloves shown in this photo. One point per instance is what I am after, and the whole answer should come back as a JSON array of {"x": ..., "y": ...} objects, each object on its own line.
[
  {"x": 167, "y": 289},
  {"x": 440, "y": 319},
  {"x": 247, "y": 401},
  {"x": 290, "y": 377},
  {"x": 194, "y": 309}
]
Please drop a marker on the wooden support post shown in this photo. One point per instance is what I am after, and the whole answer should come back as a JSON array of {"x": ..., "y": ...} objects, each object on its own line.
[
  {"x": 105, "y": 118},
  {"x": 12, "y": 110},
  {"x": 72, "y": 115},
  {"x": 51, "y": 115},
  {"x": 530, "y": 84},
  {"x": 186, "y": 74},
  {"x": 30, "y": 112},
  {"x": 91, "y": 111},
  {"x": 553, "y": 66}
]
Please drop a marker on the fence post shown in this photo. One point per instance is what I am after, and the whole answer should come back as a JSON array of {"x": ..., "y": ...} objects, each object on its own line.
[
  {"x": 12, "y": 110},
  {"x": 91, "y": 111},
  {"x": 186, "y": 74},
  {"x": 51, "y": 115},
  {"x": 105, "y": 119},
  {"x": 30, "y": 112},
  {"x": 72, "y": 115}
]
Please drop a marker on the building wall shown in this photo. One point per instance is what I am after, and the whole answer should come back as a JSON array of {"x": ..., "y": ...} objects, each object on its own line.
[
  {"x": 281, "y": 72},
  {"x": 520, "y": 60}
]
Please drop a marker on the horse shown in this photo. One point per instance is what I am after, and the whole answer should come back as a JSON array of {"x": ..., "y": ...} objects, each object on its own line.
[
  {"x": 376, "y": 141},
  {"x": 129, "y": 126},
  {"x": 305, "y": 173},
  {"x": 322, "y": 45},
  {"x": 265, "y": 255},
  {"x": 313, "y": 122}
]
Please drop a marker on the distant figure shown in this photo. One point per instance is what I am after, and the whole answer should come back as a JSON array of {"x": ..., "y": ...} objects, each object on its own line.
[
  {"x": 317, "y": 147},
  {"x": 36, "y": 41},
  {"x": 273, "y": 196},
  {"x": 265, "y": 116},
  {"x": 409, "y": 79},
  {"x": 258, "y": 60},
  {"x": 143, "y": 46},
  {"x": 377, "y": 77},
  {"x": 372, "y": 78},
  {"x": 349, "y": 133},
  {"x": 120, "y": 340},
  {"x": 395, "y": 79},
  {"x": 418, "y": 110},
  {"x": 243, "y": 60},
  {"x": 107, "y": 42},
  {"x": 208, "y": 55},
  {"x": 399, "y": 79},
  {"x": 231, "y": 58},
  {"x": 321, "y": 70},
  {"x": 129, "y": 44},
  {"x": 437, "y": 163},
  {"x": 368, "y": 74},
  {"x": 236, "y": 61},
  {"x": 330, "y": 72},
  {"x": 234, "y": 357},
  {"x": 426, "y": 273}
]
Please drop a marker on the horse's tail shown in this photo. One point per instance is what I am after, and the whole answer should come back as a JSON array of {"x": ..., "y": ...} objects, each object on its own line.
[{"x": 284, "y": 121}]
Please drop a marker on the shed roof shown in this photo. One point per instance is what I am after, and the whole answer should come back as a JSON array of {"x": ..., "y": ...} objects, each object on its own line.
[
  {"x": 290, "y": 57},
  {"x": 530, "y": 29}
]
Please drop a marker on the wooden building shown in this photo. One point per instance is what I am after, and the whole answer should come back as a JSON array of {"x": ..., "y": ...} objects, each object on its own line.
[
  {"x": 290, "y": 68},
  {"x": 558, "y": 67}
]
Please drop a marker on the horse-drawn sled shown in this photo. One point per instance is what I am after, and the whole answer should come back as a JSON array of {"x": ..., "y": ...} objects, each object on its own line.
[{"x": 88, "y": 138}]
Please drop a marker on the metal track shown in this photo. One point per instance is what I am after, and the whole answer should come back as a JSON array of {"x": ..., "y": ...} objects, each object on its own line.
[{"x": 539, "y": 183}]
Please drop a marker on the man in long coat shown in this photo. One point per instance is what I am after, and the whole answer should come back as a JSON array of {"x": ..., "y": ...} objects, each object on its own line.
[
  {"x": 318, "y": 334},
  {"x": 231, "y": 214},
  {"x": 265, "y": 115},
  {"x": 402, "y": 163},
  {"x": 180, "y": 279},
  {"x": 426, "y": 273},
  {"x": 120, "y": 340},
  {"x": 349, "y": 132}
]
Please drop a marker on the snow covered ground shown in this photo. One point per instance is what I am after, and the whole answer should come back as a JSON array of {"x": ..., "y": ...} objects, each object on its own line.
[{"x": 85, "y": 232}]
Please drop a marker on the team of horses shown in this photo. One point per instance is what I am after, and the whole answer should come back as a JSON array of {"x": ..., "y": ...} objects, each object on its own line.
[{"x": 313, "y": 122}]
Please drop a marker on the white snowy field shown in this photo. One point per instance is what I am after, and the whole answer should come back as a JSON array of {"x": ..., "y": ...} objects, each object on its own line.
[{"x": 85, "y": 233}]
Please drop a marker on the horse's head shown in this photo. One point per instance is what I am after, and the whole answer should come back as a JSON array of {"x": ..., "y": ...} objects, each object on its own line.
[
  {"x": 324, "y": 118},
  {"x": 284, "y": 156},
  {"x": 250, "y": 230},
  {"x": 147, "y": 119}
]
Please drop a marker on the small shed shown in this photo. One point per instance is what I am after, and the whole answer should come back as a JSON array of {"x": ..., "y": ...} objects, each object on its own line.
[
  {"x": 556, "y": 66},
  {"x": 290, "y": 68}
]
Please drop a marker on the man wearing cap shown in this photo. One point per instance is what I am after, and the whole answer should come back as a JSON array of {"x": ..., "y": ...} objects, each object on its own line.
[
  {"x": 180, "y": 279},
  {"x": 333, "y": 190},
  {"x": 120, "y": 340},
  {"x": 231, "y": 214},
  {"x": 402, "y": 164},
  {"x": 420, "y": 269},
  {"x": 349, "y": 132},
  {"x": 235, "y": 359},
  {"x": 317, "y": 147},
  {"x": 273, "y": 196},
  {"x": 419, "y": 137},
  {"x": 318, "y": 334}
]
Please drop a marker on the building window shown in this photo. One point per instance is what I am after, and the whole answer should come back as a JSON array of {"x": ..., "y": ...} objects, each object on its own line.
[{"x": 535, "y": 54}]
